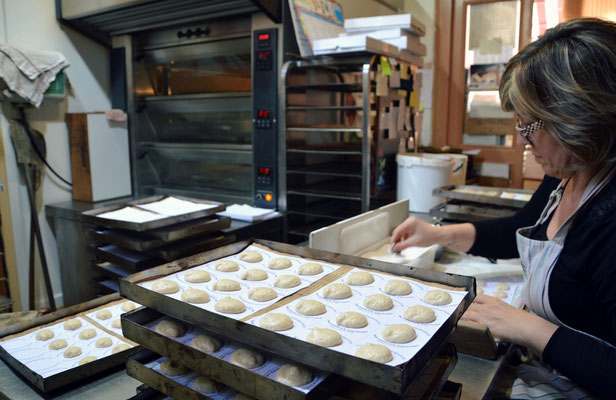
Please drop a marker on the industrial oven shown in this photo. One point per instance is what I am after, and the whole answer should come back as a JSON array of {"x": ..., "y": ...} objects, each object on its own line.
[{"x": 198, "y": 80}]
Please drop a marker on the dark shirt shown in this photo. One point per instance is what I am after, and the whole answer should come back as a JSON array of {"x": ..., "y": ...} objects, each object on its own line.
[{"x": 582, "y": 287}]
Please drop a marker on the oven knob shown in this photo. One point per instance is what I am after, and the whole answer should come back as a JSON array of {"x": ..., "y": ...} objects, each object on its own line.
[
  {"x": 189, "y": 33},
  {"x": 180, "y": 34}
]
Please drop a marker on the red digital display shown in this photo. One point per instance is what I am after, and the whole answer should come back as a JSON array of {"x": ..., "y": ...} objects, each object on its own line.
[
  {"x": 264, "y": 171},
  {"x": 264, "y": 36},
  {"x": 263, "y": 114}
]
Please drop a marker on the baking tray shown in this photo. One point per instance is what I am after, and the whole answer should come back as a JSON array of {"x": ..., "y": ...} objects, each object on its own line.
[
  {"x": 392, "y": 379},
  {"x": 453, "y": 192},
  {"x": 47, "y": 384},
  {"x": 459, "y": 210},
  {"x": 134, "y": 326},
  {"x": 132, "y": 259},
  {"x": 143, "y": 241},
  {"x": 92, "y": 216}
]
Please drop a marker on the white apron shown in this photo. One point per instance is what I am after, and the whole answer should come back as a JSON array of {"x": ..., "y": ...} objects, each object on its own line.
[{"x": 538, "y": 259}]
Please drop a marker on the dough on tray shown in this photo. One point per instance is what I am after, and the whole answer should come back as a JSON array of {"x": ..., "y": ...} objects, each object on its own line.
[
  {"x": 171, "y": 368},
  {"x": 262, "y": 294},
  {"x": 360, "y": 278},
  {"x": 227, "y": 266},
  {"x": 276, "y": 322},
  {"x": 166, "y": 286},
  {"x": 119, "y": 348},
  {"x": 72, "y": 352},
  {"x": 197, "y": 276},
  {"x": 229, "y": 305},
  {"x": 279, "y": 263},
  {"x": 103, "y": 342},
  {"x": 117, "y": 324},
  {"x": 226, "y": 285},
  {"x": 398, "y": 287},
  {"x": 351, "y": 319},
  {"x": 86, "y": 360},
  {"x": 87, "y": 334},
  {"x": 420, "y": 314},
  {"x": 251, "y": 256},
  {"x": 206, "y": 385},
  {"x": 44, "y": 334},
  {"x": 192, "y": 295},
  {"x": 58, "y": 344},
  {"x": 310, "y": 307},
  {"x": 206, "y": 343},
  {"x": 375, "y": 352},
  {"x": 254, "y": 275},
  {"x": 127, "y": 306},
  {"x": 324, "y": 337},
  {"x": 399, "y": 333},
  {"x": 72, "y": 324},
  {"x": 479, "y": 291},
  {"x": 170, "y": 328},
  {"x": 103, "y": 314},
  {"x": 437, "y": 297},
  {"x": 337, "y": 291},
  {"x": 310, "y": 269},
  {"x": 287, "y": 281},
  {"x": 247, "y": 358},
  {"x": 502, "y": 286},
  {"x": 500, "y": 295},
  {"x": 378, "y": 302},
  {"x": 293, "y": 375},
  {"x": 481, "y": 282}
]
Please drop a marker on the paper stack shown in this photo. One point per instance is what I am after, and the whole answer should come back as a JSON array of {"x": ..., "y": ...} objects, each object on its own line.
[
  {"x": 244, "y": 212},
  {"x": 390, "y": 35}
]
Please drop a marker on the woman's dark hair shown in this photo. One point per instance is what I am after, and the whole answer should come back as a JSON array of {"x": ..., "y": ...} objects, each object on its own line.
[{"x": 567, "y": 78}]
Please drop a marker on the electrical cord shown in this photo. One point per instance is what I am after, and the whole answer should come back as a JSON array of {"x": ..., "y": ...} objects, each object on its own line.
[{"x": 26, "y": 126}]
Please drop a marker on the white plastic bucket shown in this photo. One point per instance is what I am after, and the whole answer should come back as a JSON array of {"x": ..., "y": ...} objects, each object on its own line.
[{"x": 418, "y": 175}]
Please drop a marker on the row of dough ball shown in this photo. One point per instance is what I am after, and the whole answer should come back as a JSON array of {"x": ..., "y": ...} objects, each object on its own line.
[
  {"x": 380, "y": 302},
  {"x": 245, "y": 358},
  {"x": 417, "y": 313},
  {"x": 499, "y": 289},
  {"x": 75, "y": 351}
]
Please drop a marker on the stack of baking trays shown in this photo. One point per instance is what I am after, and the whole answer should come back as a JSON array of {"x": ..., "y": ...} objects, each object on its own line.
[
  {"x": 69, "y": 345},
  {"x": 273, "y": 320},
  {"x": 477, "y": 203},
  {"x": 147, "y": 232}
]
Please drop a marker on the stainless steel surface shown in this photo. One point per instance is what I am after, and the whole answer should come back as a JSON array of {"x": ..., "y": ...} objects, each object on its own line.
[
  {"x": 393, "y": 379},
  {"x": 134, "y": 326},
  {"x": 466, "y": 211},
  {"x": 102, "y": 18},
  {"x": 93, "y": 215},
  {"x": 114, "y": 385}
]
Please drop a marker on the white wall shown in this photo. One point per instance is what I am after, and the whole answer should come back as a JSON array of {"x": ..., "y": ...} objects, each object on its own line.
[{"x": 32, "y": 24}]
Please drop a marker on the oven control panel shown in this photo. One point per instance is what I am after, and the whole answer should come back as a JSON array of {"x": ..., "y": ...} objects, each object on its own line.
[{"x": 264, "y": 118}]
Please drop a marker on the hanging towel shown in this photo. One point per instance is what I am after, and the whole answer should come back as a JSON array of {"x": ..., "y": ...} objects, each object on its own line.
[{"x": 29, "y": 72}]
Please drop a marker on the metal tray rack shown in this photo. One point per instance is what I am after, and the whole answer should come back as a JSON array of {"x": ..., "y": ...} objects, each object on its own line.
[
  {"x": 92, "y": 216},
  {"x": 392, "y": 379},
  {"x": 134, "y": 326},
  {"x": 64, "y": 378},
  {"x": 474, "y": 194}
]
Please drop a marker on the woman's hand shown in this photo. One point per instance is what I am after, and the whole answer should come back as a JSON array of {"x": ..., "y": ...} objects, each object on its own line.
[
  {"x": 509, "y": 323},
  {"x": 415, "y": 232}
]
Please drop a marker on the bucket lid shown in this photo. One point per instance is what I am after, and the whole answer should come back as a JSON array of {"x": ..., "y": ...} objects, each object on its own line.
[{"x": 430, "y": 160}]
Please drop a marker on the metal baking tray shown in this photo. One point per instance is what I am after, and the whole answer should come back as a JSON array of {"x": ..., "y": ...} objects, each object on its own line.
[
  {"x": 392, "y": 379},
  {"x": 132, "y": 259},
  {"x": 461, "y": 211},
  {"x": 71, "y": 375},
  {"x": 451, "y": 193},
  {"x": 143, "y": 241},
  {"x": 134, "y": 327},
  {"x": 92, "y": 216}
]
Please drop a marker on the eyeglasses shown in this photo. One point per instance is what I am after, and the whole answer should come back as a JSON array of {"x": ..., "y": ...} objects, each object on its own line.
[{"x": 525, "y": 130}]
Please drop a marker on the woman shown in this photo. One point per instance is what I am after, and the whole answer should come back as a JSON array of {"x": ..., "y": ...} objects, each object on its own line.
[{"x": 562, "y": 89}]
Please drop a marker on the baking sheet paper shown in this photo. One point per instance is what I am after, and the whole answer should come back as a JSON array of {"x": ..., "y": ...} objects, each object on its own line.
[
  {"x": 353, "y": 339},
  {"x": 167, "y": 207},
  {"x": 252, "y": 306}
]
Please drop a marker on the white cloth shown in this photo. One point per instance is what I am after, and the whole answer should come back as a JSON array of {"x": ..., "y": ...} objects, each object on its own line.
[
  {"x": 538, "y": 259},
  {"x": 29, "y": 72}
]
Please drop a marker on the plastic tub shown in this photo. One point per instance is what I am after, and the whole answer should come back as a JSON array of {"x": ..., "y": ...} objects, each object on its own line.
[{"x": 418, "y": 175}]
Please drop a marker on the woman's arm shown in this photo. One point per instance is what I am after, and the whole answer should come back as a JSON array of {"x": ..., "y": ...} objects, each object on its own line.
[
  {"x": 511, "y": 324},
  {"x": 415, "y": 232}
]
